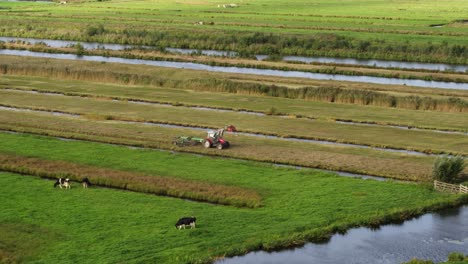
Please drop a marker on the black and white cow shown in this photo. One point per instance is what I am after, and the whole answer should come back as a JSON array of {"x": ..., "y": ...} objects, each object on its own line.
[
  {"x": 86, "y": 183},
  {"x": 186, "y": 221},
  {"x": 63, "y": 183}
]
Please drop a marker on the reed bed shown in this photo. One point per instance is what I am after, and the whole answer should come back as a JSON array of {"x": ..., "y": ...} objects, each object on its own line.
[
  {"x": 166, "y": 186},
  {"x": 323, "y": 94},
  {"x": 243, "y": 63}
]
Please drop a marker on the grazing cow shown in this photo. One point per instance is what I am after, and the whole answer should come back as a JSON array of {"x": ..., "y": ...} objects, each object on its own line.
[
  {"x": 67, "y": 183},
  {"x": 59, "y": 183},
  {"x": 186, "y": 221},
  {"x": 86, "y": 183},
  {"x": 63, "y": 183}
]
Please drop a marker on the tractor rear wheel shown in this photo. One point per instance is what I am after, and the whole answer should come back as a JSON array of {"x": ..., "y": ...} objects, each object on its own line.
[{"x": 207, "y": 144}]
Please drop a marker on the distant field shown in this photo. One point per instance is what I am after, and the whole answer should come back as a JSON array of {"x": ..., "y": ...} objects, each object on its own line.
[
  {"x": 299, "y": 205},
  {"x": 390, "y": 30}
]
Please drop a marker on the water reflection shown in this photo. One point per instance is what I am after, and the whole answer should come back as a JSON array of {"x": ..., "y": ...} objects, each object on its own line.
[
  {"x": 197, "y": 66},
  {"x": 431, "y": 236},
  {"x": 324, "y": 60}
]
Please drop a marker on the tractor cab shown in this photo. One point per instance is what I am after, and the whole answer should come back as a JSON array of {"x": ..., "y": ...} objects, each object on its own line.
[{"x": 215, "y": 139}]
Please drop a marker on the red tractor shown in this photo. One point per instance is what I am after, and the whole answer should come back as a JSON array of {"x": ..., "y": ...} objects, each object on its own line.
[{"x": 215, "y": 139}]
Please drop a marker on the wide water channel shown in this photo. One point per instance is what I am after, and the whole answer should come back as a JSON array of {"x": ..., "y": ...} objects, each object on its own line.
[
  {"x": 198, "y": 66},
  {"x": 324, "y": 60},
  {"x": 431, "y": 236}
]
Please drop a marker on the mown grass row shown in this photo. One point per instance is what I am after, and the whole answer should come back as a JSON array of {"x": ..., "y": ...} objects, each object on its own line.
[
  {"x": 349, "y": 159},
  {"x": 282, "y": 127},
  {"x": 451, "y": 146},
  {"x": 272, "y": 111},
  {"x": 237, "y": 102},
  {"x": 166, "y": 186},
  {"x": 291, "y": 128},
  {"x": 323, "y": 94}
]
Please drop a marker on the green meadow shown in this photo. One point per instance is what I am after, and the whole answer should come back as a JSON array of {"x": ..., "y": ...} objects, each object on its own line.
[
  {"x": 48, "y": 225},
  {"x": 398, "y": 30},
  {"x": 275, "y": 187}
]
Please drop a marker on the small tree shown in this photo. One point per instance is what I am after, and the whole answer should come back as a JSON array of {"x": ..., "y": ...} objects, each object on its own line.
[
  {"x": 447, "y": 168},
  {"x": 79, "y": 49}
]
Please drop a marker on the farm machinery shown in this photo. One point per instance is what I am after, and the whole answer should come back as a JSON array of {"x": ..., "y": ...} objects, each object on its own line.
[{"x": 214, "y": 139}]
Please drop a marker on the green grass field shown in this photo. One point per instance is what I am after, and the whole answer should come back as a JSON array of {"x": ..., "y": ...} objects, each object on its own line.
[
  {"x": 117, "y": 226},
  {"x": 350, "y": 159},
  {"x": 330, "y": 28},
  {"x": 266, "y": 192}
]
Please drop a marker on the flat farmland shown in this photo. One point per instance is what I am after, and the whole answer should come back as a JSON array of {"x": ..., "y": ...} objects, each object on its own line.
[
  {"x": 295, "y": 128},
  {"x": 320, "y": 147},
  {"x": 239, "y": 102},
  {"x": 142, "y": 228},
  {"x": 369, "y": 29}
]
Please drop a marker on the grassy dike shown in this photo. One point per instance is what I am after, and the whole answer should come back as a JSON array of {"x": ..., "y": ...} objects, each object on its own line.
[{"x": 101, "y": 224}]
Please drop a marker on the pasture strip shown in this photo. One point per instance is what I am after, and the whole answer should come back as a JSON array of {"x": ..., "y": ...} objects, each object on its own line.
[
  {"x": 137, "y": 100},
  {"x": 199, "y": 191},
  {"x": 348, "y": 159},
  {"x": 429, "y": 120},
  {"x": 319, "y": 132}
]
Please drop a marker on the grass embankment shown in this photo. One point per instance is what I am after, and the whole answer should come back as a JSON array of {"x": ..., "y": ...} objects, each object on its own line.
[
  {"x": 245, "y": 63},
  {"x": 453, "y": 258},
  {"x": 350, "y": 159},
  {"x": 394, "y": 30},
  {"x": 386, "y": 137},
  {"x": 294, "y": 88},
  {"x": 299, "y": 206},
  {"x": 240, "y": 102},
  {"x": 165, "y": 186}
]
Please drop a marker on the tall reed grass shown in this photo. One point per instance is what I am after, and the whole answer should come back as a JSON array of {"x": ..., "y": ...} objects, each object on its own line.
[
  {"x": 324, "y": 94},
  {"x": 187, "y": 189}
]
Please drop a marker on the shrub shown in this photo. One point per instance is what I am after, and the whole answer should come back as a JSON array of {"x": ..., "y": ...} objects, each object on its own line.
[
  {"x": 271, "y": 111},
  {"x": 457, "y": 256},
  {"x": 79, "y": 49},
  {"x": 447, "y": 168}
]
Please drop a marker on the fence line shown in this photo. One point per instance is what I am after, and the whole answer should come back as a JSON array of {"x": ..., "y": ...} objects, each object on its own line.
[
  {"x": 463, "y": 189},
  {"x": 447, "y": 187}
]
